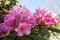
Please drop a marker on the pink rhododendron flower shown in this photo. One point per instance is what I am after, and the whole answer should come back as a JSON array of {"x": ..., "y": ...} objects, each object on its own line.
[
  {"x": 11, "y": 18},
  {"x": 19, "y": 16},
  {"x": 47, "y": 18},
  {"x": 50, "y": 19},
  {"x": 1, "y": 28},
  {"x": 9, "y": 23},
  {"x": 16, "y": 10},
  {"x": 31, "y": 20},
  {"x": 39, "y": 14},
  {"x": 23, "y": 28}
]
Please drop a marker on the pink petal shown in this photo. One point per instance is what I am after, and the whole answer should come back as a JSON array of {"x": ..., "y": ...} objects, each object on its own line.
[{"x": 27, "y": 32}]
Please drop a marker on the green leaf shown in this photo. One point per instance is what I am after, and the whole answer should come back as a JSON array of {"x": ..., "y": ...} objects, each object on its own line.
[
  {"x": 36, "y": 37},
  {"x": 45, "y": 33},
  {"x": 54, "y": 29},
  {"x": 9, "y": 38},
  {"x": 17, "y": 38}
]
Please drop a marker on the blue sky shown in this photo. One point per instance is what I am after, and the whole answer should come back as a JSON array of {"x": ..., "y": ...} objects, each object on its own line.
[{"x": 34, "y": 4}]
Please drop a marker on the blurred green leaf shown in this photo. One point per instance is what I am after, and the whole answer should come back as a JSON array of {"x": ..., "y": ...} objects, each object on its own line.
[
  {"x": 45, "y": 35},
  {"x": 9, "y": 38},
  {"x": 54, "y": 29},
  {"x": 36, "y": 37}
]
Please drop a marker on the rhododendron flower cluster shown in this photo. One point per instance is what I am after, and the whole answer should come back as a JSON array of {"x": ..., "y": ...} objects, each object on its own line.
[
  {"x": 48, "y": 18},
  {"x": 22, "y": 21}
]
